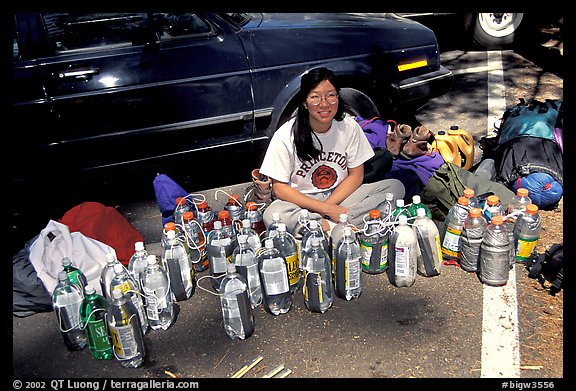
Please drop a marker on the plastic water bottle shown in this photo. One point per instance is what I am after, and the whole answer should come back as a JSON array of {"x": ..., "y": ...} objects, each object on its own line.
[
  {"x": 274, "y": 278},
  {"x": 417, "y": 204},
  {"x": 315, "y": 230},
  {"x": 286, "y": 246},
  {"x": 228, "y": 226},
  {"x": 402, "y": 255},
  {"x": 301, "y": 228},
  {"x": 526, "y": 233},
  {"x": 255, "y": 217},
  {"x": 220, "y": 249},
  {"x": 374, "y": 244},
  {"x": 244, "y": 258},
  {"x": 93, "y": 313},
  {"x": 235, "y": 302},
  {"x": 494, "y": 253},
  {"x": 472, "y": 199},
  {"x": 205, "y": 216},
  {"x": 137, "y": 263},
  {"x": 67, "y": 299},
  {"x": 156, "y": 289},
  {"x": 317, "y": 278},
  {"x": 235, "y": 208},
  {"x": 492, "y": 208},
  {"x": 429, "y": 251},
  {"x": 452, "y": 230},
  {"x": 75, "y": 275},
  {"x": 195, "y": 242},
  {"x": 107, "y": 275},
  {"x": 515, "y": 209},
  {"x": 128, "y": 287},
  {"x": 335, "y": 236},
  {"x": 387, "y": 206},
  {"x": 273, "y": 225},
  {"x": 179, "y": 267},
  {"x": 253, "y": 239},
  {"x": 126, "y": 331},
  {"x": 182, "y": 206},
  {"x": 470, "y": 240},
  {"x": 347, "y": 263}
]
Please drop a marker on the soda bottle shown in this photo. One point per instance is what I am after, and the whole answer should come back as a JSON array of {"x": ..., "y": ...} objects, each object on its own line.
[
  {"x": 126, "y": 331},
  {"x": 402, "y": 255},
  {"x": 417, "y": 204},
  {"x": 205, "y": 216},
  {"x": 137, "y": 263},
  {"x": 400, "y": 209},
  {"x": 301, "y": 228},
  {"x": 228, "y": 226},
  {"x": 220, "y": 249},
  {"x": 317, "y": 278},
  {"x": 179, "y": 267},
  {"x": 472, "y": 199},
  {"x": 128, "y": 287},
  {"x": 169, "y": 226},
  {"x": 347, "y": 262},
  {"x": 107, "y": 275},
  {"x": 286, "y": 245},
  {"x": 374, "y": 244},
  {"x": 93, "y": 313},
  {"x": 182, "y": 206},
  {"x": 236, "y": 309},
  {"x": 156, "y": 289},
  {"x": 67, "y": 299},
  {"x": 244, "y": 258},
  {"x": 470, "y": 240},
  {"x": 526, "y": 233},
  {"x": 429, "y": 250},
  {"x": 255, "y": 217},
  {"x": 386, "y": 207},
  {"x": 273, "y": 225},
  {"x": 235, "y": 209},
  {"x": 315, "y": 230},
  {"x": 494, "y": 253},
  {"x": 274, "y": 278},
  {"x": 74, "y": 274},
  {"x": 195, "y": 242},
  {"x": 252, "y": 239},
  {"x": 450, "y": 236}
]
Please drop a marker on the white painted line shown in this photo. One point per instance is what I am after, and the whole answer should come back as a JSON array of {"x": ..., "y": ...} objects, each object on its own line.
[{"x": 500, "y": 339}]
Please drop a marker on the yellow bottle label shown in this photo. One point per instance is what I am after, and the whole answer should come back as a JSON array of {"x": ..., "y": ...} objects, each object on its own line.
[
  {"x": 524, "y": 248},
  {"x": 293, "y": 264}
]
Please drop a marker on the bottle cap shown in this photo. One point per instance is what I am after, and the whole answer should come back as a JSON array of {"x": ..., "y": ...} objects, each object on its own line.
[
  {"x": 118, "y": 268},
  {"x": 475, "y": 212},
  {"x": 463, "y": 201},
  {"x": 169, "y": 226},
  {"x": 111, "y": 257},
  {"x": 62, "y": 275},
  {"x": 492, "y": 200},
  {"x": 217, "y": 224},
  {"x": 232, "y": 198},
  {"x": 497, "y": 220},
  {"x": 400, "y": 203},
  {"x": 139, "y": 246},
  {"x": 223, "y": 214},
  {"x": 468, "y": 192},
  {"x": 522, "y": 192},
  {"x": 304, "y": 212},
  {"x": 151, "y": 259},
  {"x": 347, "y": 231},
  {"x": 188, "y": 215},
  {"x": 315, "y": 241},
  {"x": 402, "y": 219},
  {"x": 66, "y": 261},
  {"x": 313, "y": 224},
  {"x": 374, "y": 214},
  {"x": 416, "y": 199},
  {"x": 251, "y": 205},
  {"x": 202, "y": 204},
  {"x": 389, "y": 196},
  {"x": 171, "y": 234},
  {"x": 180, "y": 201},
  {"x": 116, "y": 293},
  {"x": 343, "y": 217},
  {"x": 89, "y": 289},
  {"x": 420, "y": 212},
  {"x": 246, "y": 223},
  {"x": 532, "y": 209},
  {"x": 269, "y": 243},
  {"x": 242, "y": 239},
  {"x": 281, "y": 227}
]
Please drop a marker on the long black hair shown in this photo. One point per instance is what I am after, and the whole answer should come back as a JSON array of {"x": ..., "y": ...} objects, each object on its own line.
[{"x": 306, "y": 149}]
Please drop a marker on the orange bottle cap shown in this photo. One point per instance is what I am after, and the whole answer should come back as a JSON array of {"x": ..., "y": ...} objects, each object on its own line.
[
  {"x": 169, "y": 226},
  {"x": 223, "y": 214},
  {"x": 188, "y": 215},
  {"x": 497, "y": 220},
  {"x": 374, "y": 214},
  {"x": 492, "y": 200},
  {"x": 475, "y": 212},
  {"x": 532, "y": 208},
  {"x": 251, "y": 205},
  {"x": 180, "y": 201},
  {"x": 522, "y": 192},
  {"x": 463, "y": 201},
  {"x": 203, "y": 204},
  {"x": 468, "y": 193}
]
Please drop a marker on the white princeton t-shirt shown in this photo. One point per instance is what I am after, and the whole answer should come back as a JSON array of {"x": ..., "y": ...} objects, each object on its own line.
[{"x": 344, "y": 146}]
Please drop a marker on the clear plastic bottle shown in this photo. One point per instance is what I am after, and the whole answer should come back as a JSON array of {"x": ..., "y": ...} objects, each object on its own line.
[
  {"x": 255, "y": 217},
  {"x": 470, "y": 240},
  {"x": 128, "y": 287},
  {"x": 452, "y": 230},
  {"x": 220, "y": 249},
  {"x": 301, "y": 228},
  {"x": 492, "y": 208},
  {"x": 158, "y": 295},
  {"x": 253, "y": 239},
  {"x": 235, "y": 302},
  {"x": 336, "y": 234},
  {"x": 93, "y": 313},
  {"x": 182, "y": 206},
  {"x": 429, "y": 254},
  {"x": 274, "y": 278},
  {"x": 169, "y": 226},
  {"x": 374, "y": 244},
  {"x": 126, "y": 331},
  {"x": 347, "y": 264},
  {"x": 179, "y": 267},
  {"x": 67, "y": 299},
  {"x": 494, "y": 254},
  {"x": 387, "y": 206},
  {"x": 286, "y": 245},
  {"x": 244, "y": 258},
  {"x": 137, "y": 263},
  {"x": 415, "y": 205},
  {"x": 317, "y": 278},
  {"x": 107, "y": 275},
  {"x": 228, "y": 226},
  {"x": 402, "y": 255},
  {"x": 75, "y": 275},
  {"x": 526, "y": 233},
  {"x": 273, "y": 225},
  {"x": 235, "y": 208},
  {"x": 472, "y": 199},
  {"x": 315, "y": 230},
  {"x": 195, "y": 242},
  {"x": 205, "y": 216},
  {"x": 515, "y": 209}
]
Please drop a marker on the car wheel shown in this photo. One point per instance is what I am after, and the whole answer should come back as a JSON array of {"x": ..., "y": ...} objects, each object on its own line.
[
  {"x": 494, "y": 30},
  {"x": 359, "y": 104}
]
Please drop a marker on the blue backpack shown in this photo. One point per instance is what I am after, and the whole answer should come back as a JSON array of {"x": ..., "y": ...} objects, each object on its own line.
[{"x": 167, "y": 190}]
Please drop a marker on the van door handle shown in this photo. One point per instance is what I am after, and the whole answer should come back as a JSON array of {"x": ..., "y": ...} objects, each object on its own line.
[{"x": 77, "y": 73}]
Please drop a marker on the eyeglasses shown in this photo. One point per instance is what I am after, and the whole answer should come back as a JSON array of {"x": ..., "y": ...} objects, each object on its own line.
[{"x": 315, "y": 100}]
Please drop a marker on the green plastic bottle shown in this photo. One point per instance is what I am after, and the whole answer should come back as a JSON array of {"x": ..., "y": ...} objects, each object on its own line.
[
  {"x": 93, "y": 313},
  {"x": 75, "y": 275}
]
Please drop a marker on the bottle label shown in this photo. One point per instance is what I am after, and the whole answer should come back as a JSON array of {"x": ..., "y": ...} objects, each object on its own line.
[
  {"x": 370, "y": 255},
  {"x": 219, "y": 264},
  {"x": 124, "y": 342},
  {"x": 276, "y": 281},
  {"x": 451, "y": 243},
  {"x": 293, "y": 269},
  {"x": 401, "y": 259},
  {"x": 352, "y": 273},
  {"x": 524, "y": 248},
  {"x": 99, "y": 335},
  {"x": 313, "y": 289}
]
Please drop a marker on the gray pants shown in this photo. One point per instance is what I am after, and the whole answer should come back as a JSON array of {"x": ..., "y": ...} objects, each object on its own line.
[{"x": 359, "y": 203}]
